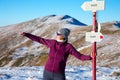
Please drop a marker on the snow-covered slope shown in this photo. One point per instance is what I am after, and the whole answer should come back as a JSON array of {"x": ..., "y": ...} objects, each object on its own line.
[
  {"x": 108, "y": 52},
  {"x": 72, "y": 73},
  {"x": 19, "y": 51},
  {"x": 64, "y": 19},
  {"x": 16, "y": 50}
]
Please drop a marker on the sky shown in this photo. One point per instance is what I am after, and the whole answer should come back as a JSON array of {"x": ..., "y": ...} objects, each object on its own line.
[{"x": 17, "y": 11}]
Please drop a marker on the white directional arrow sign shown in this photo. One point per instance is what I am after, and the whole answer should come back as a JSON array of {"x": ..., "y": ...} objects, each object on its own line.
[
  {"x": 93, "y": 36},
  {"x": 93, "y": 5}
]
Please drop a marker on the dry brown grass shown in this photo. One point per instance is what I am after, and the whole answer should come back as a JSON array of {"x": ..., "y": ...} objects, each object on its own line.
[{"x": 10, "y": 42}]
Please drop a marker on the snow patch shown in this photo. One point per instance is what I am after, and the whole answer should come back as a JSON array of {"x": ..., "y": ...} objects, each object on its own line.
[
  {"x": 19, "y": 52},
  {"x": 72, "y": 73},
  {"x": 81, "y": 48}
]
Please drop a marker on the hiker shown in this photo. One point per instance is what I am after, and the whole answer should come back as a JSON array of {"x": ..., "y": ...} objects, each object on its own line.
[{"x": 58, "y": 54}]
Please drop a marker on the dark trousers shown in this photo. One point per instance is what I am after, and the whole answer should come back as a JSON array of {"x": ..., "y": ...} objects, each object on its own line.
[{"x": 47, "y": 75}]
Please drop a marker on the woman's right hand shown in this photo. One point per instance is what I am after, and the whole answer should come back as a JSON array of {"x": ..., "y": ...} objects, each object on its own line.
[{"x": 23, "y": 33}]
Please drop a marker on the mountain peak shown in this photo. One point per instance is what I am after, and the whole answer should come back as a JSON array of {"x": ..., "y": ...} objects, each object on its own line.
[
  {"x": 117, "y": 23},
  {"x": 63, "y": 18},
  {"x": 72, "y": 20}
]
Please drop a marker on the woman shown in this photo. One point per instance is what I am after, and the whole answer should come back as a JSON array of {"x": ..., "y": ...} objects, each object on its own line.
[{"x": 58, "y": 54}]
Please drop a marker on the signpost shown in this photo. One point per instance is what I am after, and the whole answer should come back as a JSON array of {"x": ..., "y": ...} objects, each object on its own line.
[
  {"x": 93, "y": 6},
  {"x": 95, "y": 35}
]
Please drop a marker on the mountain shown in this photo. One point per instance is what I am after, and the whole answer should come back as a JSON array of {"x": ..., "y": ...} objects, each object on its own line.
[
  {"x": 64, "y": 19},
  {"x": 16, "y": 50},
  {"x": 117, "y": 24}
]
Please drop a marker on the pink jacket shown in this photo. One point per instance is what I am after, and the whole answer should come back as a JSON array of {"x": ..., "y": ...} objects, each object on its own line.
[{"x": 58, "y": 53}]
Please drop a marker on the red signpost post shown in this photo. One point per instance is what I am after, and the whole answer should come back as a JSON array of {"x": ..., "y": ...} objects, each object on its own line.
[
  {"x": 93, "y": 6},
  {"x": 94, "y": 50}
]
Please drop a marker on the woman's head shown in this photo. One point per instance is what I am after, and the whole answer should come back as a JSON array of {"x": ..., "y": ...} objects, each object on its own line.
[{"x": 62, "y": 34}]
